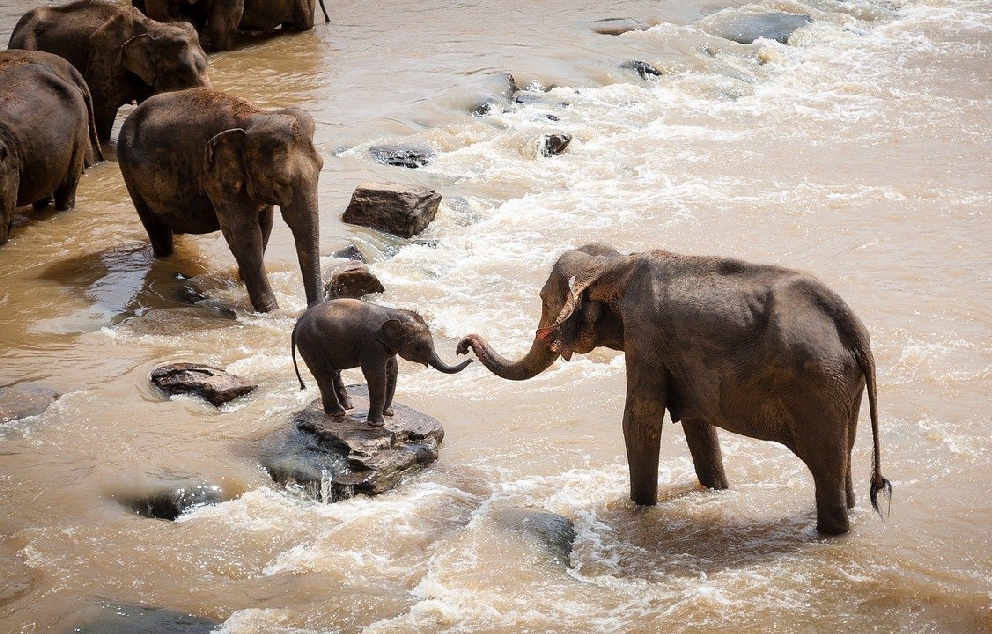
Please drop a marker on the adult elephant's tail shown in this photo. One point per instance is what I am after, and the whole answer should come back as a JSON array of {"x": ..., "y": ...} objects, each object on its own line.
[
  {"x": 292, "y": 340},
  {"x": 865, "y": 358}
]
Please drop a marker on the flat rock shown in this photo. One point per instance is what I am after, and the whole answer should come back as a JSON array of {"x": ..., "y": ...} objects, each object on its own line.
[
  {"x": 618, "y": 26},
  {"x": 24, "y": 399},
  {"x": 554, "y": 532},
  {"x": 334, "y": 458},
  {"x": 402, "y": 210},
  {"x": 116, "y": 617},
  {"x": 351, "y": 278},
  {"x": 213, "y": 384},
  {"x": 745, "y": 29}
]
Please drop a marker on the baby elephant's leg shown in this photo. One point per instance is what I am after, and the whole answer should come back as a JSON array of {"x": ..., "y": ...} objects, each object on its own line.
[
  {"x": 392, "y": 371},
  {"x": 327, "y": 382},
  {"x": 342, "y": 393}
]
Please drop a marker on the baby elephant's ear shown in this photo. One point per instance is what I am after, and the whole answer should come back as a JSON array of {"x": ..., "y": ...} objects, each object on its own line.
[{"x": 391, "y": 335}]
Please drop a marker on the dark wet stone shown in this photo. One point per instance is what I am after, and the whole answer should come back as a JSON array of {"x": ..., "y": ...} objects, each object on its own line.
[
  {"x": 552, "y": 144},
  {"x": 643, "y": 68},
  {"x": 776, "y": 26},
  {"x": 213, "y": 384},
  {"x": 335, "y": 458},
  {"x": 351, "y": 279},
  {"x": 24, "y": 399},
  {"x": 169, "y": 502},
  {"x": 401, "y": 210},
  {"x": 350, "y": 252},
  {"x": 115, "y": 618},
  {"x": 402, "y": 156},
  {"x": 619, "y": 26},
  {"x": 554, "y": 532}
]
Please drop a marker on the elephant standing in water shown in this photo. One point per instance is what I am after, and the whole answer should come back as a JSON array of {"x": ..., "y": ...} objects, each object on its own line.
[
  {"x": 200, "y": 160},
  {"x": 44, "y": 140},
  {"x": 123, "y": 55},
  {"x": 761, "y": 351},
  {"x": 348, "y": 333}
]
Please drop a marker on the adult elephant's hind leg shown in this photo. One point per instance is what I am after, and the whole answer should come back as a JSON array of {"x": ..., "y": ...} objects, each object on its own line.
[
  {"x": 827, "y": 459},
  {"x": 704, "y": 445}
]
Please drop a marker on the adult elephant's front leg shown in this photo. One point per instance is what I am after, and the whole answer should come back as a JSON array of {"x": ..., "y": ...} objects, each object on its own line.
[
  {"x": 643, "y": 417},
  {"x": 244, "y": 236},
  {"x": 706, "y": 455}
]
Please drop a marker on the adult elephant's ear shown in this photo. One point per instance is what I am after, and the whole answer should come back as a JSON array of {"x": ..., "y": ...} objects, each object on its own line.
[
  {"x": 223, "y": 161},
  {"x": 391, "y": 335},
  {"x": 136, "y": 56}
]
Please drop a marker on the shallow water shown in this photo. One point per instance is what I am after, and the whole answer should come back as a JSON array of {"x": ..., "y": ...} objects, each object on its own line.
[{"x": 858, "y": 152}]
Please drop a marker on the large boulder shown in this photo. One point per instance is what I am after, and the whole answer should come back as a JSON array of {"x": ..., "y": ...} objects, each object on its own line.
[
  {"x": 23, "y": 400},
  {"x": 351, "y": 278},
  {"x": 213, "y": 384},
  {"x": 401, "y": 210},
  {"x": 334, "y": 458}
]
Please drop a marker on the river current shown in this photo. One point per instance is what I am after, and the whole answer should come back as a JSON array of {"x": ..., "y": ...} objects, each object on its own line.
[{"x": 858, "y": 151}]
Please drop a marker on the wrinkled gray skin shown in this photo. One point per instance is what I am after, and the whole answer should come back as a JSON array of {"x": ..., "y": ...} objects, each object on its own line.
[
  {"x": 218, "y": 21},
  {"x": 44, "y": 140},
  {"x": 349, "y": 333},
  {"x": 761, "y": 351},
  {"x": 123, "y": 55},
  {"x": 66, "y": 71},
  {"x": 200, "y": 160}
]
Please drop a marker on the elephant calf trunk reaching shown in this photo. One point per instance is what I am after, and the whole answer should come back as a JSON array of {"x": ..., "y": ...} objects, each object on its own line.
[{"x": 348, "y": 333}]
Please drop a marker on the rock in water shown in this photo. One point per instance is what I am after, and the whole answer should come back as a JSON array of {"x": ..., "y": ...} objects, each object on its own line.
[
  {"x": 114, "y": 618},
  {"x": 351, "y": 278},
  {"x": 554, "y": 532},
  {"x": 335, "y": 458},
  {"x": 212, "y": 384},
  {"x": 404, "y": 211},
  {"x": 23, "y": 400},
  {"x": 745, "y": 29}
]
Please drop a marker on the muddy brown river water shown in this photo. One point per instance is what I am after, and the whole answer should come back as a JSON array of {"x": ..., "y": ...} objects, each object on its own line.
[{"x": 859, "y": 151}]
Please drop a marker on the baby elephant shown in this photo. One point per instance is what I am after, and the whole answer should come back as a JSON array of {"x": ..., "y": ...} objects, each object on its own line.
[{"x": 348, "y": 333}]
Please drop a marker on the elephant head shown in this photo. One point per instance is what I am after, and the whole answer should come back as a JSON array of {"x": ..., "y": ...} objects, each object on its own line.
[
  {"x": 271, "y": 161},
  {"x": 166, "y": 58},
  {"x": 575, "y": 314},
  {"x": 408, "y": 335}
]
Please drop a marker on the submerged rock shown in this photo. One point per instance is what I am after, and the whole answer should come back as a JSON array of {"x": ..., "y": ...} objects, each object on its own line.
[
  {"x": 351, "y": 278},
  {"x": 23, "y": 400},
  {"x": 401, "y": 210},
  {"x": 411, "y": 157},
  {"x": 213, "y": 384},
  {"x": 334, "y": 458},
  {"x": 745, "y": 29},
  {"x": 114, "y": 618},
  {"x": 554, "y": 532},
  {"x": 169, "y": 502},
  {"x": 619, "y": 26},
  {"x": 552, "y": 144},
  {"x": 643, "y": 68}
]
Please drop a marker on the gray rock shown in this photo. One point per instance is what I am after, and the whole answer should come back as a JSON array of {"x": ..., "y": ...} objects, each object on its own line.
[
  {"x": 552, "y": 144},
  {"x": 115, "y": 617},
  {"x": 334, "y": 458},
  {"x": 618, "y": 26},
  {"x": 350, "y": 252},
  {"x": 554, "y": 532},
  {"x": 24, "y": 399},
  {"x": 402, "y": 156},
  {"x": 500, "y": 88},
  {"x": 401, "y": 210},
  {"x": 213, "y": 384},
  {"x": 171, "y": 501},
  {"x": 351, "y": 279},
  {"x": 745, "y": 29},
  {"x": 643, "y": 68}
]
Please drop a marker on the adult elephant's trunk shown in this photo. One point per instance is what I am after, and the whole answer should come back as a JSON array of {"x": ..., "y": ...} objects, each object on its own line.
[
  {"x": 435, "y": 362},
  {"x": 302, "y": 216},
  {"x": 538, "y": 359}
]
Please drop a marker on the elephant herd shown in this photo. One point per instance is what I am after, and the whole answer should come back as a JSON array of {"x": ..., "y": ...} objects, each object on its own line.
[{"x": 761, "y": 351}]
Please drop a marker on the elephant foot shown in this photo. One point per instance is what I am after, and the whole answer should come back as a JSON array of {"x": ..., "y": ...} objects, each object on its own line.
[
  {"x": 389, "y": 412},
  {"x": 335, "y": 413},
  {"x": 376, "y": 423}
]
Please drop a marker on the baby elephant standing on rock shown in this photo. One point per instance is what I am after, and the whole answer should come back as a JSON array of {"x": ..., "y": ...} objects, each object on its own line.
[{"x": 348, "y": 333}]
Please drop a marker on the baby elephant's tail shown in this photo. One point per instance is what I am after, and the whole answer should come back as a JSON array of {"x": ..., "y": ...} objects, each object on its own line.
[{"x": 295, "y": 367}]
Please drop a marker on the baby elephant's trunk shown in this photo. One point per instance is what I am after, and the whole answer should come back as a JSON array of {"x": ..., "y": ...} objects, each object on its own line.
[{"x": 436, "y": 363}]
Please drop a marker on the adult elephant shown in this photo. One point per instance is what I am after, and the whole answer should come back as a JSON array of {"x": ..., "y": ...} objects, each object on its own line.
[
  {"x": 61, "y": 67},
  {"x": 218, "y": 21},
  {"x": 123, "y": 55},
  {"x": 200, "y": 160},
  {"x": 44, "y": 140},
  {"x": 761, "y": 351}
]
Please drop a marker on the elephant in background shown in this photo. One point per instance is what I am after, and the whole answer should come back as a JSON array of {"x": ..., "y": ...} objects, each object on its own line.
[
  {"x": 761, "y": 351},
  {"x": 200, "y": 160},
  {"x": 61, "y": 67},
  {"x": 44, "y": 140},
  {"x": 123, "y": 55},
  {"x": 217, "y": 21},
  {"x": 349, "y": 333}
]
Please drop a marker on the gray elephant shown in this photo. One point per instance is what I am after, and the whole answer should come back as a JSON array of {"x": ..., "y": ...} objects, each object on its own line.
[
  {"x": 44, "y": 140},
  {"x": 61, "y": 67},
  {"x": 761, "y": 351},
  {"x": 349, "y": 333},
  {"x": 123, "y": 55},
  {"x": 200, "y": 160},
  {"x": 218, "y": 21}
]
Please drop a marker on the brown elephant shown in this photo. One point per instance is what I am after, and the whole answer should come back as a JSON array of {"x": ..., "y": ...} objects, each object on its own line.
[
  {"x": 761, "y": 351},
  {"x": 44, "y": 140},
  {"x": 61, "y": 67},
  {"x": 217, "y": 21},
  {"x": 200, "y": 160},
  {"x": 349, "y": 333},
  {"x": 123, "y": 55}
]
